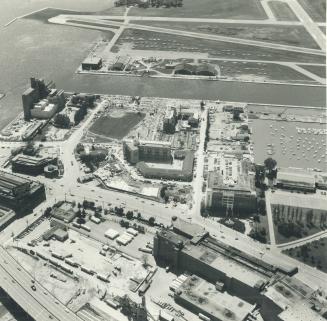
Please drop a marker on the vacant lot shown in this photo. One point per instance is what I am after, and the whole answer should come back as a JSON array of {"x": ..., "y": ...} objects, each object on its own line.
[
  {"x": 313, "y": 254},
  {"x": 232, "y": 9},
  {"x": 318, "y": 70},
  {"x": 147, "y": 40},
  {"x": 315, "y": 8},
  {"x": 282, "y": 11},
  {"x": 116, "y": 127},
  {"x": 287, "y": 35}
]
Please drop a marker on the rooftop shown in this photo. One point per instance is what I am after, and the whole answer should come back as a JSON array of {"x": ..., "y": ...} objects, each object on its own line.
[
  {"x": 295, "y": 176},
  {"x": 219, "y": 305}
]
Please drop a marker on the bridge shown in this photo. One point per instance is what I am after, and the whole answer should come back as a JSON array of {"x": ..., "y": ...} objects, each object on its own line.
[{"x": 40, "y": 304}]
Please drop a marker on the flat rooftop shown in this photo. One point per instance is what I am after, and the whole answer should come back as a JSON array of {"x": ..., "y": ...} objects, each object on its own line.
[
  {"x": 293, "y": 175},
  {"x": 312, "y": 201},
  {"x": 219, "y": 305},
  {"x": 226, "y": 265}
]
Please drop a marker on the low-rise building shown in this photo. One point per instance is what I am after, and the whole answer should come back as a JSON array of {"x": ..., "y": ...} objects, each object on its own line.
[
  {"x": 200, "y": 296},
  {"x": 92, "y": 63},
  {"x": 31, "y": 165},
  {"x": 19, "y": 193},
  {"x": 296, "y": 179}
]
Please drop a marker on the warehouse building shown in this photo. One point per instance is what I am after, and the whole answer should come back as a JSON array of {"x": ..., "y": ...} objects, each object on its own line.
[
  {"x": 242, "y": 275},
  {"x": 31, "y": 165},
  {"x": 296, "y": 179},
  {"x": 20, "y": 194},
  {"x": 200, "y": 296}
]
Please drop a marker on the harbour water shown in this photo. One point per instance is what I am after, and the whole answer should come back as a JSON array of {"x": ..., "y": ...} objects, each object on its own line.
[{"x": 33, "y": 48}]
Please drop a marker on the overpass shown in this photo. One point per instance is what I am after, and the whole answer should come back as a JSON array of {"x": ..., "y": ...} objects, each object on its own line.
[{"x": 40, "y": 304}]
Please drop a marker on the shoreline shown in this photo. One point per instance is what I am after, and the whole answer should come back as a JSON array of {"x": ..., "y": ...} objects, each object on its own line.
[{"x": 205, "y": 78}]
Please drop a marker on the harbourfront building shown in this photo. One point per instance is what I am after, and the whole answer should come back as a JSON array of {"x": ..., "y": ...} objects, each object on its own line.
[
  {"x": 19, "y": 193},
  {"x": 41, "y": 100}
]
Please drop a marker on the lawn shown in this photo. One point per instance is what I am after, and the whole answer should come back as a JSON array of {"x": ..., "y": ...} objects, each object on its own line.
[
  {"x": 282, "y": 11},
  {"x": 318, "y": 70},
  {"x": 313, "y": 254},
  {"x": 115, "y": 127},
  {"x": 225, "y": 9},
  {"x": 315, "y": 8},
  {"x": 148, "y": 40},
  {"x": 286, "y": 35}
]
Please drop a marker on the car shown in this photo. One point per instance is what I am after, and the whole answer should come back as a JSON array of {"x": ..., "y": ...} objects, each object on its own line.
[{"x": 33, "y": 287}]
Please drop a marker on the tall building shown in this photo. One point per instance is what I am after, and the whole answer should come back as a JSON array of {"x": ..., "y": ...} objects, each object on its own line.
[
  {"x": 41, "y": 100},
  {"x": 169, "y": 121}
]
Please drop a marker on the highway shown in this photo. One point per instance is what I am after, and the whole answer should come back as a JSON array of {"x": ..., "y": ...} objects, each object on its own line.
[{"x": 39, "y": 304}]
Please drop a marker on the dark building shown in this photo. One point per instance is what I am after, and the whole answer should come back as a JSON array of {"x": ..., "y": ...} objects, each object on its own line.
[
  {"x": 183, "y": 174},
  {"x": 31, "y": 165},
  {"x": 32, "y": 95},
  {"x": 185, "y": 69},
  {"x": 188, "y": 248},
  {"x": 20, "y": 194},
  {"x": 206, "y": 70},
  {"x": 92, "y": 63}
]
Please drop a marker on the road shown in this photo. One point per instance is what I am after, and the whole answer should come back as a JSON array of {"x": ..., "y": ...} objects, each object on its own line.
[
  {"x": 270, "y": 218},
  {"x": 39, "y": 304},
  {"x": 198, "y": 181}
]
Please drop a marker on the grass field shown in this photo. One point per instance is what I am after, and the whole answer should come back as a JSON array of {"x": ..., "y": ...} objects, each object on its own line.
[
  {"x": 147, "y": 40},
  {"x": 315, "y": 8},
  {"x": 287, "y": 35},
  {"x": 266, "y": 71},
  {"x": 227, "y": 9},
  {"x": 282, "y": 11},
  {"x": 116, "y": 127},
  {"x": 318, "y": 70},
  {"x": 313, "y": 254}
]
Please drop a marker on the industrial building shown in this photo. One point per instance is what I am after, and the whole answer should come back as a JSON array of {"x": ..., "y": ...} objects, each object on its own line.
[
  {"x": 200, "y": 296},
  {"x": 18, "y": 193},
  {"x": 151, "y": 151},
  {"x": 31, "y": 165},
  {"x": 92, "y": 63},
  {"x": 41, "y": 100},
  {"x": 121, "y": 63},
  {"x": 188, "y": 248},
  {"x": 225, "y": 193},
  {"x": 296, "y": 179}
]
